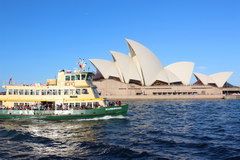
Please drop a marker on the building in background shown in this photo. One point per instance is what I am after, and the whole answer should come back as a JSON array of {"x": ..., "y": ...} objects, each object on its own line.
[{"x": 141, "y": 73}]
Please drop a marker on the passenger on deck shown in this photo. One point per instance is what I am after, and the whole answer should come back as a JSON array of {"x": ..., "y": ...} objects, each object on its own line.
[
  {"x": 39, "y": 107},
  {"x": 25, "y": 107},
  {"x": 58, "y": 107},
  {"x": 20, "y": 107},
  {"x": 64, "y": 107},
  {"x": 118, "y": 103},
  {"x": 111, "y": 104}
]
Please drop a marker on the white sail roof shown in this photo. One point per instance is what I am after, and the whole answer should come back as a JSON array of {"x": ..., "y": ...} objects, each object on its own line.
[
  {"x": 167, "y": 77},
  {"x": 126, "y": 66},
  {"x": 172, "y": 77},
  {"x": 147, "y": 63},
  {"x": 142, "y": 65},
  {"x": 219, "y": 78},
  {"x": 107, "y": 68},
  {"x": 183, "y": 70},
  {"x": 203, "y": 78},
  {"x": 162, "y": 76}
]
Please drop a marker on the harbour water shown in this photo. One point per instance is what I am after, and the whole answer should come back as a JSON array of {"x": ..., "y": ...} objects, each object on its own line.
[{"x": 152, "y": 130}]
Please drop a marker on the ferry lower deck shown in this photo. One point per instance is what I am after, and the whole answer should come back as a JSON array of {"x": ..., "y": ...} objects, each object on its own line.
[{"x": 65, "y": 114}]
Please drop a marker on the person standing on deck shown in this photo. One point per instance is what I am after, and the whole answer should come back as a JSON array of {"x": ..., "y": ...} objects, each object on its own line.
[{"x": 38, "y": 106}]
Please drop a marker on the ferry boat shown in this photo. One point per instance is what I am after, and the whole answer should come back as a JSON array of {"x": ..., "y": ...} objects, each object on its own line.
[{"x": 71, "y": 96}]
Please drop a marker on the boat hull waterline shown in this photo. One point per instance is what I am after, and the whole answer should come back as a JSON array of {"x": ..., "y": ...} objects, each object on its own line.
[{"x": 65, "y": 114}]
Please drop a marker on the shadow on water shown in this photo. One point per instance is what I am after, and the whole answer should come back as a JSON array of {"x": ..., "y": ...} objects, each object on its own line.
[{"x": 152, "y": 130}]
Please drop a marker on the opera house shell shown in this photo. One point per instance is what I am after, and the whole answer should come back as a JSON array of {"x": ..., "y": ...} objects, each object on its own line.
[
  {"x": 141, "y": 73},
  {"x": 218, "y": 79},
  {"x": 142, "y": 66}
]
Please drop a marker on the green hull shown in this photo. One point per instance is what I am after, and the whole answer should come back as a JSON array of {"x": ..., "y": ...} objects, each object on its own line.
[{"x": 65, "y": 114}]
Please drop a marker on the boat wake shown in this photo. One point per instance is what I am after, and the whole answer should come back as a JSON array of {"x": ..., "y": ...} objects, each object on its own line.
[{"x": 102, "y": 118}]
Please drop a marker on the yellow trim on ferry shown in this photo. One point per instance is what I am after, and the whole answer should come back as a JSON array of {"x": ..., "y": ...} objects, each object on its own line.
[{"x": 50, "y": 100}]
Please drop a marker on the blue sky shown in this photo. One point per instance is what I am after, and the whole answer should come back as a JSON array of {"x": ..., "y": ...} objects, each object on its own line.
[{"x": 40, "y": 37}]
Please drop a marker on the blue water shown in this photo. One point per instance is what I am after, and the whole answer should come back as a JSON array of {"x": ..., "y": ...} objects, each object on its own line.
[{"x": 152, "y": 130}]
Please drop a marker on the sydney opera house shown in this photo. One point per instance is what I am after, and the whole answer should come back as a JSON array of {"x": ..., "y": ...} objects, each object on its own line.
[{"x": 141, "y": 73}]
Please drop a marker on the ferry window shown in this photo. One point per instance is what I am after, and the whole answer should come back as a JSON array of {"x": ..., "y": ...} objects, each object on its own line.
[
  {"x": 72, "y": 77},
  {"x": 66, "y": 92},
  {"x": 67, "y": 78},
  {"x": 77, "y": 77},
  {"x": 43, "y": 92},
  {"x": 89, "y": 77},
  {"x": 77, "y": 104},
  {"x": 78, "y": 91},
  {"x": 106, "y": 102},
  {"x": 26, "y": 92},
  {"x": 15, "y": 104},
  {"x": 83, "y": 77},
  {"x": 59, "y": 92},
  {"x": 83, "y": 104},
  {"x": 95, "y": 91},
  {"x": 15, "y": 92},
  {"x": 49, "y": 92},
  {"x": 89, "y": 104},
  {"x": 71, "y": 91},
  {"x": 10, "y": 92},
  {"x": 95, "y": 104},
  {"x": 21, "y": 92},
  {"x": 32, "y": 92},
  {"x": 84, "y": 91},
  {"x": 71, "y": 105},
  {"x": 37, "y": 92},
  {"x": 54, "y": 92}
]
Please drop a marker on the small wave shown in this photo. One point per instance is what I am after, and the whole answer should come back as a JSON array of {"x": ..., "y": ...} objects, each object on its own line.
[
  {"x": 233, "y": 158},
  {"x": 27, "y": 137},
  {"x": 105, "y": 151}
]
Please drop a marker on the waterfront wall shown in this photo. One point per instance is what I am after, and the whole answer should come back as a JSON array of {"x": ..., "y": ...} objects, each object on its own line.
[
  {"x": 167, "y": 97},
  {"x": 115, "y": 90}
]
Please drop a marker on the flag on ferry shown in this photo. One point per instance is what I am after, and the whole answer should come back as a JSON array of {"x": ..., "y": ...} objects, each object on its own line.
[{"x": 81, "y": 63}]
